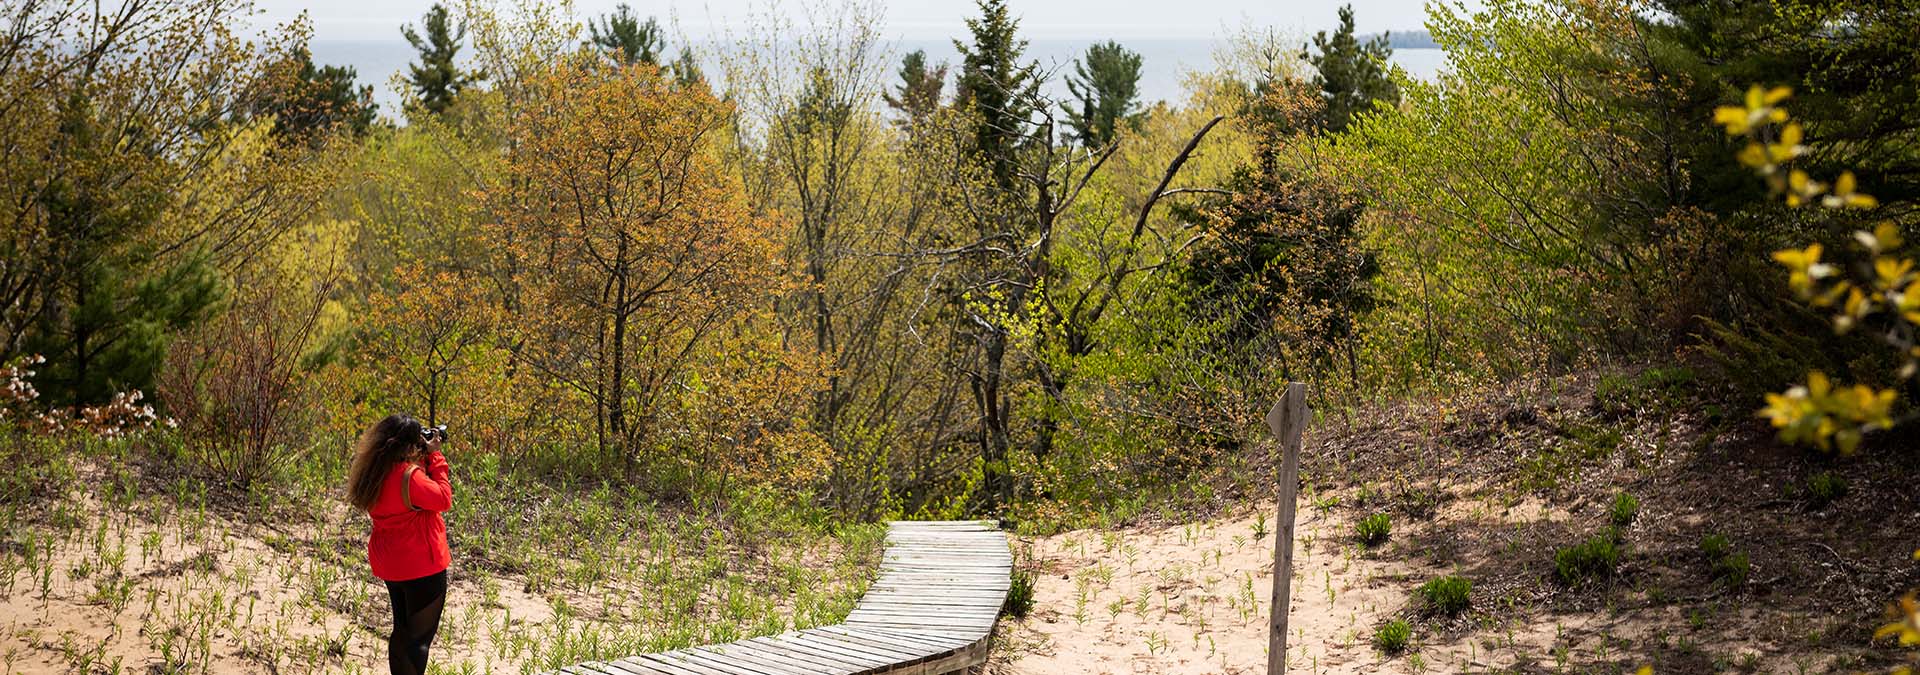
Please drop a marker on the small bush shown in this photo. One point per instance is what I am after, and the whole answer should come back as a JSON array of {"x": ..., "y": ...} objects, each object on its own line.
[
  {"x": 1019, "y": 594},
  {"x": 1374, "y": 529},
  {"x": 1824, "y": 488},
  {"x": 1447, "y": 595},
  {"x": 1625, "y": 508},
  {"x": 1392, "y": 638},
  {"x": 1595, "y": 557}
]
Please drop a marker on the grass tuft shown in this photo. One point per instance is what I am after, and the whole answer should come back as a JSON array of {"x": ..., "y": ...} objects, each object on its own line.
[
  {"x": 1374, "y": 529},
  {"x": 1392, "y": 638},
  {"x": 1595, "y": 557},
  {"x": 1020, "y": 594},
  {"x": 1624, "y": 510},
  {"x": 1824, "y": 488},
  {"x": 1447, "y": 595},
  {"x": 1725, "y": 564}
]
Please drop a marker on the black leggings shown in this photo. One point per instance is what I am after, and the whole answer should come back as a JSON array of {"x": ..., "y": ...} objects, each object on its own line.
[{"x": 416, "y": 617}]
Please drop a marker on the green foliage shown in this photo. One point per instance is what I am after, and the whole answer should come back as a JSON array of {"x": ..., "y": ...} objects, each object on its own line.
[
  {"x": 996, "y": 86},
  {"x": 1624, "y": 509},
  {"x": 1448, "y": 595},
  {"x": 1352, "y": 76},
  {"x": 311, "y": 101},
  {"x": 38, "y": 468},
  {"x": 1727, "y": 565},
  {"x": 1649, "y": 390},
  {"x": 1286, "y": 252},
  {"x": 1715, "y": 546},
  {"x": 918, "y": 93},
  {"x": 629, "y": 40},
  {"x": 1020, "y": 593},
  {"x": 109, "y": 328},
  {"x": 1374, "y": 529},
  {"x": 436, "y": 79},
  {"x": 1595, "y": 557},
  {"x": 1392, "y": 637},
  {"x": 686, "y": 69},
  {"x": 1824, "y": 488},
  {"x": 1106, "y": 84}
]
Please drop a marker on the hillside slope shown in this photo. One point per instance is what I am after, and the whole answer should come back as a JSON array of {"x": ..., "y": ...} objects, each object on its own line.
[{"x": 1493, "y": 489}]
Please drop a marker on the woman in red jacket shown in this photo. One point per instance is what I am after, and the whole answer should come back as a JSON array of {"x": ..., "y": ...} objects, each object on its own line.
[{"x": 400, "y": 479}]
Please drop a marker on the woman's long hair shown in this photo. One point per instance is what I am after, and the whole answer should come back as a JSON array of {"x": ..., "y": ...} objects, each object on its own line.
[{"x": 393, "y": 439}]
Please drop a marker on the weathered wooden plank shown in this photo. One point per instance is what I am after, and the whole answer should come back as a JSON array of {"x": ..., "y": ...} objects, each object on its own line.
[
  {"x": 922, "y": 650},
  {"x": 839, "y": 659},
  {"x": 904, "y": 639},
  {"x": 744, "y": 655},
  {"x": 681, "y": 664},
  {"x": 724, "y": 664},
  {"x": 828, "y": 642},
  {"x": 630, "y": 666},
  {"x": 653, "y": 662}
]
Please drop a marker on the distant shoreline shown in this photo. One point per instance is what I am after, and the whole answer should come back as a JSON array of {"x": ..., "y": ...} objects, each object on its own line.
[{"x": 1165, "y": 62}]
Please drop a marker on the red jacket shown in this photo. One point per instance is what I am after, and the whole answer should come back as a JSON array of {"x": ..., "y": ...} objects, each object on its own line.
[{"x": 411, "y": 543}]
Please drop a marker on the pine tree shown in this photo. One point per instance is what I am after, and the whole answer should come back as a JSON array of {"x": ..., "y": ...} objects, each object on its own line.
[
  {"x": 1106, "y": 83},
  {"x": 435, "y": 78},
  {"x": 994, "y": 84},
  {"x": 920, "y": 86},
  {"x": 627, "y": 37},
  {"x": 312, "y": 100},
  {"x": 1351, "y": 76},
  {"x": 686, "y": 69},
  {"x": 1284, "y": 249}
]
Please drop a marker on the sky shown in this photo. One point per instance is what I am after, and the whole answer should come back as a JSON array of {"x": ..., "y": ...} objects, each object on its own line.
[{"x": 920, "y": 19}]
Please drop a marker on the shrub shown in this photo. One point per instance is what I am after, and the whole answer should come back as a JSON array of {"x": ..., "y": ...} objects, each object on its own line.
[
  {"x": 1374, "y": 529},
  {"x": 1447, "y": 595},
  {"x": 1392, "y": 638},
  {"x": 1595, "y": 557},
  {"x": 1019, "y": 594},
  {"x": 1625, "y": 508},
  {"x": 238, "y": 384},
  {"x": 1824, "y": 488}
]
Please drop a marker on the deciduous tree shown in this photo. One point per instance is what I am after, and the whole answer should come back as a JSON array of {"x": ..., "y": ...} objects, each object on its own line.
[{"x": 645, "y": 249}]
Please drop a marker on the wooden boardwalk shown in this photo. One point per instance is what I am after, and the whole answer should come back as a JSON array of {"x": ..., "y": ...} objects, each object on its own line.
[{"x": 930, "y": 611}]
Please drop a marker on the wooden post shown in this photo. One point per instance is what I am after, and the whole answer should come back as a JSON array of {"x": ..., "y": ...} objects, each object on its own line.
[{"x": 1287, "y": 419}]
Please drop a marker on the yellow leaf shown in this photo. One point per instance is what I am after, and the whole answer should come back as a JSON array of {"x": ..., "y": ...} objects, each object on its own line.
[
  {"x": 1888, "y": 234},
  {"x": 1818, "y": 386},
  {"x": 1792, "y": 135},
  {"x": 1734, "y": 118},
  {"x": 1777, "y": 94}
]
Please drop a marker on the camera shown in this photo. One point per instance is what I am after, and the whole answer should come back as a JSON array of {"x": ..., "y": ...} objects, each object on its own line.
[{"x": 435, "y": 433}]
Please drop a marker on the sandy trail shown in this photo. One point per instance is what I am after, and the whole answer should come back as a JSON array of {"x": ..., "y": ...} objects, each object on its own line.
[
  {"x": 1190, "y": 599},
  {"x": 1194, "y": 598}
]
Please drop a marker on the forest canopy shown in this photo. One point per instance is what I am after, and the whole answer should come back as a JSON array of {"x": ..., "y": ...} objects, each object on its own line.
[{"x": 817, "y": 267}]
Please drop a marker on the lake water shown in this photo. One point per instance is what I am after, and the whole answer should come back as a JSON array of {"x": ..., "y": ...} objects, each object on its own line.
[{"x": 1164, "y": 63}]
